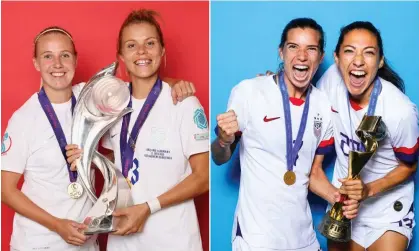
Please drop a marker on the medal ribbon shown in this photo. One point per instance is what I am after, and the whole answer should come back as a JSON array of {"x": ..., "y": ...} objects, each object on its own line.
[
  {"x": 371, "y": 105},
  {"x": 127, "y": 147},
  {"x": 56, "y": 126},
  {"x": 293, "y": 151}
]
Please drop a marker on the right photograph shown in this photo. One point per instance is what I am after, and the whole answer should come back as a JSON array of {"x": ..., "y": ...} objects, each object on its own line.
[{"x": 314, "y": 109}]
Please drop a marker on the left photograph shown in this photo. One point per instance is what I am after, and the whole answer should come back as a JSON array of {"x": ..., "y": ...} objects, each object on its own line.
[{"x": 104, "y": 122}]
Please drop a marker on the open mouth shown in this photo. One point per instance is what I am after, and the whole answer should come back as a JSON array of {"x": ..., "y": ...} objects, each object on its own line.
[
  {"x": 300, "y": 71},
  {"x": 142, "y": 62},
  {"x": 357, "y": 77}
]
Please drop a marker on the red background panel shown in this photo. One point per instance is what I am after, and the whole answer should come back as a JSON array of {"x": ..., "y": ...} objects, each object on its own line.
[{"x": 95, "y": 26}]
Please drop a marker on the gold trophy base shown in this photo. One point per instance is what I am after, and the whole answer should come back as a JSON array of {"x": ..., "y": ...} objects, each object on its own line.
[{"x": 339, "y": 231}]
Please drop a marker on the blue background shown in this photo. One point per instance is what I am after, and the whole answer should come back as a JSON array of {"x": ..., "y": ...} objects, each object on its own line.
[{"x": 244, "y": 41}]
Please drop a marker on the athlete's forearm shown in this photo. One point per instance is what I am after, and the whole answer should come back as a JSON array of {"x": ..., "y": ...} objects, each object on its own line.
[
  {"x": 20, "y": 203},
  {"x": 221, "y": 155},
  {"x": 318, "y": 182},
  {"x": 320, "y": 185},
  {"x": 192, "y": 186},
  {"x": 397, "y": 176}
]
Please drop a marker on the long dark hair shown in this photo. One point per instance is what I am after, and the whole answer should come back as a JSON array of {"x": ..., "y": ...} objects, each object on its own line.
[{"x": 385, "y": 72}]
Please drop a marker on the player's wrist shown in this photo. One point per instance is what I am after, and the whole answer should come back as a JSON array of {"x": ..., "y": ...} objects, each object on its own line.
[
  {"x": 369, "y": 191},
  {"x": 223, "y": 143},
  {"x": 154, "y": 205},
  {"x": 53, "y": 224}
]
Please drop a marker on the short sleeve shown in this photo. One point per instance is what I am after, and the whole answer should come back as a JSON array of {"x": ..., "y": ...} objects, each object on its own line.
[
  {"x": 14, "y": 146},
  {"x": 77, "y": 89},
  {"x": 194, "y": 128},
  {"x": 328, "y": 79},
  {"x": 239, "y": 103},
  {"x": 327, "y": 144},
  {"x": 405, "y": 140}
]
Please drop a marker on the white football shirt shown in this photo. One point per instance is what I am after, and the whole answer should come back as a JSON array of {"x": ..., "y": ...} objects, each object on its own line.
[
  {"x": 169, "y": 137},
  {"x": 270, "y": 213},
  {"x": 401, "y": 118},
  {"x": 30, "y": 148}
]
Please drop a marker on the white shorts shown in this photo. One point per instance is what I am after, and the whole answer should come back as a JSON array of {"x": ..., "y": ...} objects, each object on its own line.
[
  {"x": 239, "y": 244},
  {"x": 365, "y": 234}
]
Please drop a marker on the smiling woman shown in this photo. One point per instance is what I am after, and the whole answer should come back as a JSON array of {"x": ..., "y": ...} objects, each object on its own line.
[
  {"x": 362, "y": 83},
  {"x": 55, "y": 57},
  {"x": 277, "y": 156},
  {"x": 174, "y": 170},
  {"x": 301, "y": 50},
  {"x": 51, "y": 222}
]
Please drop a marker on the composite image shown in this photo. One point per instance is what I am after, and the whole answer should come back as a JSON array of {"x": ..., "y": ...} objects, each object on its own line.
[{"x": 209, "y": 125}]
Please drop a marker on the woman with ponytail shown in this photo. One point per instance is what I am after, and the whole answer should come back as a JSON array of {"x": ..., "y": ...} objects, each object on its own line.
[{"x": 362, "y": 82}]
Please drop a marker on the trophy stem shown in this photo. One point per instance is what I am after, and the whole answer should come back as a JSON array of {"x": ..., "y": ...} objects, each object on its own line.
[{"x": 335, "y": 226}]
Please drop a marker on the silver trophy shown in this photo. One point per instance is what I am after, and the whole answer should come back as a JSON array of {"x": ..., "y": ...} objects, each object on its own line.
[{"x": 101, "y": 104}]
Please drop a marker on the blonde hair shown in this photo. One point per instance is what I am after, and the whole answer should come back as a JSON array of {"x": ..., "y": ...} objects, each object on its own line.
[{"x": 53, "y": 29}]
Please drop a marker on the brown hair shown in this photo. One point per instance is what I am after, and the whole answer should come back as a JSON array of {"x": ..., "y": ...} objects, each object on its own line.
[
  {"x": 56, "y": 30},
  {"x": 137, "y": 17}
]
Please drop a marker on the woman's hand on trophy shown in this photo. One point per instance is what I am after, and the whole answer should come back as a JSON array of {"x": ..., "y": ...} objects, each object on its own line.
[
  {"x": 181, "y": 90},
  {"x": 350, "y": 206},
  {"x": 131, "y": 219},
  {"x": 355, "y": 189},
  {"x": 73, "y": 152},
  {"x": 70, "y": 231}
]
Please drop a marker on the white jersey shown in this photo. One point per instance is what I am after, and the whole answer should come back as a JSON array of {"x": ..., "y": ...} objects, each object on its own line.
[
  {"x": 169, "y": 137},
  {"x": 269, "y": 213},
  {"x": 401, "y": 118},
  {"x": 30, "y": 148}
]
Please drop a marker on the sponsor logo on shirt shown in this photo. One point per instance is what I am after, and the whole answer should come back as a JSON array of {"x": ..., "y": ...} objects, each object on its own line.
[
  {"x": 266, "y": 119},
  {"x": 199, "y": 119},
  {"x": 201, "y": 136},
  {"x": 6, "y": 144},
  {"x": 333, "y": 110}
]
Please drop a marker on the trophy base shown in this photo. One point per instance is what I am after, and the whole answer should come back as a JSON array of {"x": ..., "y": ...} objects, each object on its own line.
[
  {"x": 339, "y": 231},
  {"x": 100, "y": 225}
]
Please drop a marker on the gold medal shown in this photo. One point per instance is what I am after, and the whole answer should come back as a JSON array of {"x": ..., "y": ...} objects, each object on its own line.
[
  {"x": 75, "y": 190},
  {"x": 289, "y": 178}
]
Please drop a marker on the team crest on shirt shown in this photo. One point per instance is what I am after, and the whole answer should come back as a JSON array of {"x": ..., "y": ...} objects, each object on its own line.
[
  {"x": 200, "y": 119},
  {"x": 6, "y": 143},
  {"x": 317, "y": 126}
]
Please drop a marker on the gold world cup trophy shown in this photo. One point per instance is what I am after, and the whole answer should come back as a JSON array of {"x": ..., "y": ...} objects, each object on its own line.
[{"x": 335, "y": 226}]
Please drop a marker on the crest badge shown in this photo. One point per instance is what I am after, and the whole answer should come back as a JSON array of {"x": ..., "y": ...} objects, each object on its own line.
[{"x": 317, "y": 126}]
